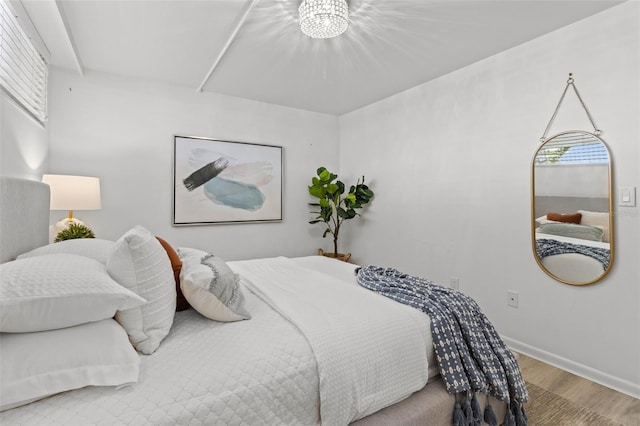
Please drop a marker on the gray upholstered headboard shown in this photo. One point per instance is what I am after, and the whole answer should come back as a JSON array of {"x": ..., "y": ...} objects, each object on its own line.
[{"x": 24, "y": 216}]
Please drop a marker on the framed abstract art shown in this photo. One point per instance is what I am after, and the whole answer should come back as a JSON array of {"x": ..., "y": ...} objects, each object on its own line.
[{"x": 217, "y": 181}]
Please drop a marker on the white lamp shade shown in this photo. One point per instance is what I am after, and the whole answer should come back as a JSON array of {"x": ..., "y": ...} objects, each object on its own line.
[{"x": 73, "y": 192}]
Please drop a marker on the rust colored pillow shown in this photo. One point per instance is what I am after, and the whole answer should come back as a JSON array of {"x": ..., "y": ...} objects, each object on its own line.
[
  {"x": 566, "y": 218},
  {"x": 176, "y": 264}
]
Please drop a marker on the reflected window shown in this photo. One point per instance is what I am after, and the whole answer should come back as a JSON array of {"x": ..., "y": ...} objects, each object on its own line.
[{"x": 572, "y": 148}]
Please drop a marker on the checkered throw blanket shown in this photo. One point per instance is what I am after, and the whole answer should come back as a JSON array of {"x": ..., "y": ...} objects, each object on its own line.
[
  {"x": 471, "y": 355},
  {"x": 548, "y": 247}
]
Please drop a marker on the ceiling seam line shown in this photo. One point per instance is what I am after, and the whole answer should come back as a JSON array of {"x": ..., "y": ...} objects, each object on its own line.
[
  {"x": 72, "y": 41},
  {"x": 230, "y": 40}
]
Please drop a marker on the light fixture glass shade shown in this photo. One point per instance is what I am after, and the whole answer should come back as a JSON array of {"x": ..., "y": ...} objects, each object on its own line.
[
  {"x": 323, "y": 18},
  {"x": 73, "y": 192}
]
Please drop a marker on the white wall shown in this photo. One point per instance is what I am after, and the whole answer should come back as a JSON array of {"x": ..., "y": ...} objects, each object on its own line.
[
  {"x": 570, "y": 180},
  {"x": 24, "y": 141},
  {"x": 450, "y": 163},
  {"x": 121, "y": 130}
]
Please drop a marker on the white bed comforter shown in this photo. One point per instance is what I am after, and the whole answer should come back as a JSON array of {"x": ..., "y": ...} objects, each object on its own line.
[
  {"x": 371, "y": 352},
  {"x": 255, "y": 372},
  {"x": 366, "y": 352}
]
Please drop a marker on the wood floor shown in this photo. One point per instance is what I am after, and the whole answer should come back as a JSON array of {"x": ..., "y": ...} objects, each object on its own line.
[{"x": 615, "y": 406}]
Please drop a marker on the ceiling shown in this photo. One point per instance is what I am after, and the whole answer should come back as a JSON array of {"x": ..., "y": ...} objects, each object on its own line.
[{"x": 390, "y": 46}]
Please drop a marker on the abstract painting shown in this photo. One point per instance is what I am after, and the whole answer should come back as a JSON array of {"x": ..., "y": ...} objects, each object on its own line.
[{"x": 218, "y": 181}]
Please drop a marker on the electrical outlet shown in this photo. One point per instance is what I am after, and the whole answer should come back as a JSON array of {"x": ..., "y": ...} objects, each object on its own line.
[
  {"x": 512, "y": 298},
  {"x": 454, "y": 283}
]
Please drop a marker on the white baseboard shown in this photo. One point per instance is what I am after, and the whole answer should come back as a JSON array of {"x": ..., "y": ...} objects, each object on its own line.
[{"x": 616, "y": 383}]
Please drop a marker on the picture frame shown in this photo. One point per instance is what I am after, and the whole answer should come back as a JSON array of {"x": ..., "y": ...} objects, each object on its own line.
[{"x": 223, "y": 182}]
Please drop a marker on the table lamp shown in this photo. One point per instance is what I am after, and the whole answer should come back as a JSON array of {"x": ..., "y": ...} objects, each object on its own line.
[{"x": 73, "y": 193}]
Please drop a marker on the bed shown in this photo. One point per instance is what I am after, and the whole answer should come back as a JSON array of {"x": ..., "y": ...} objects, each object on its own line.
[
  {"x": 296, "y": 342},
  {"x": 577, "y": 252}
]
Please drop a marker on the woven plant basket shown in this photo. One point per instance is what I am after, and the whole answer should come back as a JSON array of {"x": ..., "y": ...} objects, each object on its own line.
[{"x": 341, "y": 256}]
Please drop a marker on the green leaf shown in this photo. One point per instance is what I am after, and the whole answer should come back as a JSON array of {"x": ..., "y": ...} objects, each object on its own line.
[
  {"x": 317, "y": 191},
  {"x": 332, "y": 188},
  {"x": 315, "y": 221},
  {"x": 326, "y": 213},
  {"x": 325, "y": 176},
  {"x": 326, "y": 231},
  {"x": 320, "y": 170},
  {"x": 342, "y": 213},
  {"x": 324, "y": 203},
  {"x": 363, "y": 194}
]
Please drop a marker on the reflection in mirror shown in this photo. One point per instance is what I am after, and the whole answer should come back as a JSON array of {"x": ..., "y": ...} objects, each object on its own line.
[{"x": 572, "y": 232}]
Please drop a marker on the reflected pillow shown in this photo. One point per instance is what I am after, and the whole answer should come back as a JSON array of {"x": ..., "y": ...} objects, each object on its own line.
[
  {"x": 565, "y": 218},
  {"x": 36, "y": 365},
  {"x": 139, "y": 263},
  {"x": 56, "y": 291},
  {"x": 543, "y": 219},
  {"x": 211, "y": 287},
  {"x": 94, "y": 248},
  {"x": 597, "y": 219},
  {"x": 572, "y": 230}
]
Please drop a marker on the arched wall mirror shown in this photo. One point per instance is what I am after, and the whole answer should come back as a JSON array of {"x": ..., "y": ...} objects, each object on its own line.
[{"x": 571, "y": 206}]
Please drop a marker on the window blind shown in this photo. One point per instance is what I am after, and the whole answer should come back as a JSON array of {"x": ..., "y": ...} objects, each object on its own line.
[
  {"x": 23, "y": 71},
  {"x": 573, "y": 148}
]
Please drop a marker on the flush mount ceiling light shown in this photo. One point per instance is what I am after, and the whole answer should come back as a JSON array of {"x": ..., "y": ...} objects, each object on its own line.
[{"x": 323, "y": 18}]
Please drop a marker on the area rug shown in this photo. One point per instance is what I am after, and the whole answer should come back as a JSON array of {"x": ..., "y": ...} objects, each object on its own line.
[{"x": 548, "y": 409}]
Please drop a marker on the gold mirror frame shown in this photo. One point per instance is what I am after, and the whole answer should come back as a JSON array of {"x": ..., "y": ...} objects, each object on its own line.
[{"x": 576, "y": 258}]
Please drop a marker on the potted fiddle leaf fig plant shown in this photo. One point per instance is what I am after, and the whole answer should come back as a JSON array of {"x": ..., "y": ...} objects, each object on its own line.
[{"x": 335, "y": 206}]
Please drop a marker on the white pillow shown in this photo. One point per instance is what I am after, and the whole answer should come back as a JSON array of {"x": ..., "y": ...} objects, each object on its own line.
[
  {"x": 94, "y": 248},
  {"x": 543, "y": 219},
  {"x": 58, "y": 290},
  {"x": 36, "y": 365},
  {"x": 139, "y": 263},
  {"x": 211, "y": 287},
  {"x": 597, "y": 219}
]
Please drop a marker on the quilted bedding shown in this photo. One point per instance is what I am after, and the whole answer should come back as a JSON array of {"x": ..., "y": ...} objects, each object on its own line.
[
  {"x": 260, "y": 371},
  {"x": 356, "y": 336}
]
